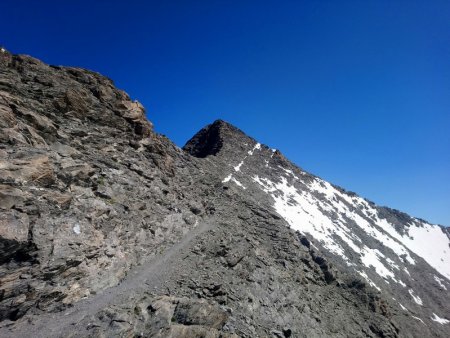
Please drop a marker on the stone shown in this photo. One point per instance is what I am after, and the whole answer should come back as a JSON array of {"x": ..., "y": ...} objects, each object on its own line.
[
  {"x": 14, "y": 226},
  {"x": 188, "y": 312},
  {"x": 30, "y": 168},
  {"x": 10, "y": 197}
]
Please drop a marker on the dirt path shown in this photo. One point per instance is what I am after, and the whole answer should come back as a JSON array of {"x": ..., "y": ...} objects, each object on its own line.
[{"x": 149, "y": 276}]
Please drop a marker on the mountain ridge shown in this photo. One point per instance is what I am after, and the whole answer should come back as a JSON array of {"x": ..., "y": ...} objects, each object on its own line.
[
  {"x": 201, "y": 136},
  {"x": 91, "y": 197}
]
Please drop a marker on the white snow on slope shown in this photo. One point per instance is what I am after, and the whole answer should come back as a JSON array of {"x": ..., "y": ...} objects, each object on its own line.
[
  {"x": 416, "y": 298},
  {"x": 440, "y": 282},
  {"x": 420, "y": 320},
  {"x": 378, "y": 233},
  {"x": 228, "y": 178},
  {"x": 425, "y": 240},
  {"x": 432, "y": 244},
  {"x": 372, "y": 257},
  {"x": 440, "y": 320},
  {"x": 392, "y": 263},
  {"x": 238, "y": 167},
  {"x": 334, "y": 198},
  {"x": 403, "y": 308},
  {"x": 256, "y": 147},
  {"x": 401, "y": 283},
  {"x": 287, "y": 171},
  {"x": 304, "y": 212},
  {"x": 232, "y": 179},
  {"x": 301, "y": 212},
  {"x": 238, "y": 183},
  {"x": 364, "y": 275}
]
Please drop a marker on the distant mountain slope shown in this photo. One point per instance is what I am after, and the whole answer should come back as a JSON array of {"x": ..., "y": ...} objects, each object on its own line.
[
  {"x": 404, "y": 257},
  {"x": 109, "y": 229}
]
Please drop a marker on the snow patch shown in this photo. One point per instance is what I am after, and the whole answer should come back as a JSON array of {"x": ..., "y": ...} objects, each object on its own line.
[
  {"x": 364, "y": 275},
  {"x": 323, "y": 187},
  {"x": 327, "y": 220},
  {"x": 440, "y": 282},
  {"x": 301, "y": 211},
  {"x": 392, "y": 264},
  {"x": 416, "y": 298},
  {"x": 256, "y": 147},
  {"x": 403, "y": 308},
  {"x": 238, "y": 167},
  {"x": 227, "y": 179},
  {"x": 238, "y": 183},
  {"x": 425, "y": 240},
  {"x": 372, "y": 257},
  {"x": 308, "y": 214},
  {"x": 287, "y": 171},
  {"x": 418, "y": 319},
  {"x": 76, "y": 229},
  {"x": 232, "y": 179},
  {"x": 380, "y": 235},
  {"x": 432, "y": 244},
  {"x": 439, "y": 320}
]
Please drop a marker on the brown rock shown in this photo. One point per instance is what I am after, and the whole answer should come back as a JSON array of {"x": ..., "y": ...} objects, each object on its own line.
[
  {"x": 35, "y": 169},
  {"x": 75, "y": 100},
  {"x": 134, "y": 112}
]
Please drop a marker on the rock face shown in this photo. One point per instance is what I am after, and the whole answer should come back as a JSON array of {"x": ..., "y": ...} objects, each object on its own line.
[{"x": 108, "y": 229}]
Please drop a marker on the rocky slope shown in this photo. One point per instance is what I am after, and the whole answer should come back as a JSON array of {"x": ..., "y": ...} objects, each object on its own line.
[
  {"x": 406, "y": 259},
  {"x": 109, "y": 229}
]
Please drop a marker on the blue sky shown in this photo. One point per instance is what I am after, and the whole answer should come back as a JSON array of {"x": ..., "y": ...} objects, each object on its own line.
[{"x": 357, "y": 92}]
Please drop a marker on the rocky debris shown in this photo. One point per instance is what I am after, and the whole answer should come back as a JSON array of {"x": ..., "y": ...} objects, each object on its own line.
[
  {"x": 161, "y": 316},
  {"x": 108, "y": 229}
]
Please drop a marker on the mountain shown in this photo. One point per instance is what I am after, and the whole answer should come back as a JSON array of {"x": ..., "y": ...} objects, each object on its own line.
[{"x": 109, "y": 229}]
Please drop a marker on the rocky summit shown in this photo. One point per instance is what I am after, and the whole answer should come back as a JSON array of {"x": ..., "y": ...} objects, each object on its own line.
[{"x": 108, "y": 229}]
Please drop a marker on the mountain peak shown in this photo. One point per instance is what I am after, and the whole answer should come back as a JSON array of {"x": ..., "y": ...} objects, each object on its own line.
[{"x": 212, "y": 138}]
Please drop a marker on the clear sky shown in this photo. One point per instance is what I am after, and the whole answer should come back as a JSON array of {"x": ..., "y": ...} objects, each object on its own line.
[{"x": 357, "y": 92}]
